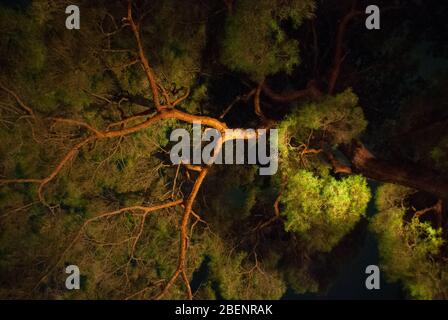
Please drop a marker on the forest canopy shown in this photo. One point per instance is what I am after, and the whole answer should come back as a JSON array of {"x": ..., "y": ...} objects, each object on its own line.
[{"x": 85, "y": 123}]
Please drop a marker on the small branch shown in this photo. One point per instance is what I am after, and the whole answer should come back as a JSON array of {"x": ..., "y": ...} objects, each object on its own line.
[
  {"x": 187, "y": 285},
  {"x": 77, "y": 123},
  {"x": 436, "y": 208},
  {"x": 277, "y": 215},
  {"x": 144, "y": 61},
  {"x": 257, "y": 105},
  {"x": 18, "y": 99},
  {"x": 181, "y": 99},
  {"x": 175, "y": 181},
  {"x": 244, "y": 98},
  {"x": 311, "y": 91},
  {"x": 192, "y": 167},
  {"x": 338, "y": 167},
  {"x": 338, "y": 55}
]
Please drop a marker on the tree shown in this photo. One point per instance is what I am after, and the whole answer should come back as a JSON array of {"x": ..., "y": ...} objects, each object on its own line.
[
  {"x": 255, "y": 43},
  {"x": 411, "y": 250},
  {"x": 90, "y": 182}
]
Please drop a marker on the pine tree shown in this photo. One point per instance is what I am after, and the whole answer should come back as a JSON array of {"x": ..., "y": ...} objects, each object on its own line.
[{"x": 85, "y": 175}]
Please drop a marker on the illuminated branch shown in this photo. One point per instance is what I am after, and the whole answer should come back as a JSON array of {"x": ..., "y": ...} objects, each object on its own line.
[
  {"x": 277, "y": 215},
  {"x": 163, "y": 113},
  {"x": 181, "y": 99},
  {"x": 244, "y": 98},
  {"x": 145, "y": 210},
  {"x": 77, "y": 123},
  {"x": 338, "y": 167},
  {"x": 438, "y": 208},
  {"x": 143, "y": 59},
  {"x": 98, "y": 135},
  {"x": 18, "y": 99},
  {"x": 180, "y": 270}
]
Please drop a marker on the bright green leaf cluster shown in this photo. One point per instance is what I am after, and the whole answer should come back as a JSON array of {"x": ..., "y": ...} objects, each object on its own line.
[
  {"x": 322, "y": 210},
  {"x": 409, "y": 249}
]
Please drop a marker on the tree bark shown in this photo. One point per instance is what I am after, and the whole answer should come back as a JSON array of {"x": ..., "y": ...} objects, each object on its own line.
[{"x": 405, "y": 174}]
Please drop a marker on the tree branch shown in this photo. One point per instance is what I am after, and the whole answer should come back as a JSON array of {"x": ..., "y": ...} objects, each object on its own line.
[
  {"x": 405, "y": 174},
  {"x": 18, "y": 99},
  {"x": 290, "y": 96},
  {"x": 338, "y": 54},
  {"x": 180, "y": 270},
  {"x": 143, "y": 59}
]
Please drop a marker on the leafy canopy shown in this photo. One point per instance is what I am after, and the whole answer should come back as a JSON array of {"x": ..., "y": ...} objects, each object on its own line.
[
  {"x": 409, "y": 248},
  {"x": 322, "y": 210},
  {"x": 255, "y": 42}
]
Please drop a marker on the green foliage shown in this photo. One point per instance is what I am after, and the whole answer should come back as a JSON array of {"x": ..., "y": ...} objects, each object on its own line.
[
  {"x": 439, "y": 154},
  {"x": 339, "y": 117},
  {"x": 254, "y": 41},
  {"x": 300, "y": 279},
  {"x": 198, "y": 96},
  {"x": 322, "y": 210},
  {"x": 21, "y": 36},
  {"x": 237, "y": 277},
  {"x": 178, "y": 35},
  {"x": 409, "y": 249},
  {"x": 93, "y": 75},
  {"x": 52, "y": 68},
  {"x": 235, "y": 197}
]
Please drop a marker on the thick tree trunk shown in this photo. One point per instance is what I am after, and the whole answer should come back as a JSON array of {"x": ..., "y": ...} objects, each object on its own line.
[{"x": 406, "y": 174}]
